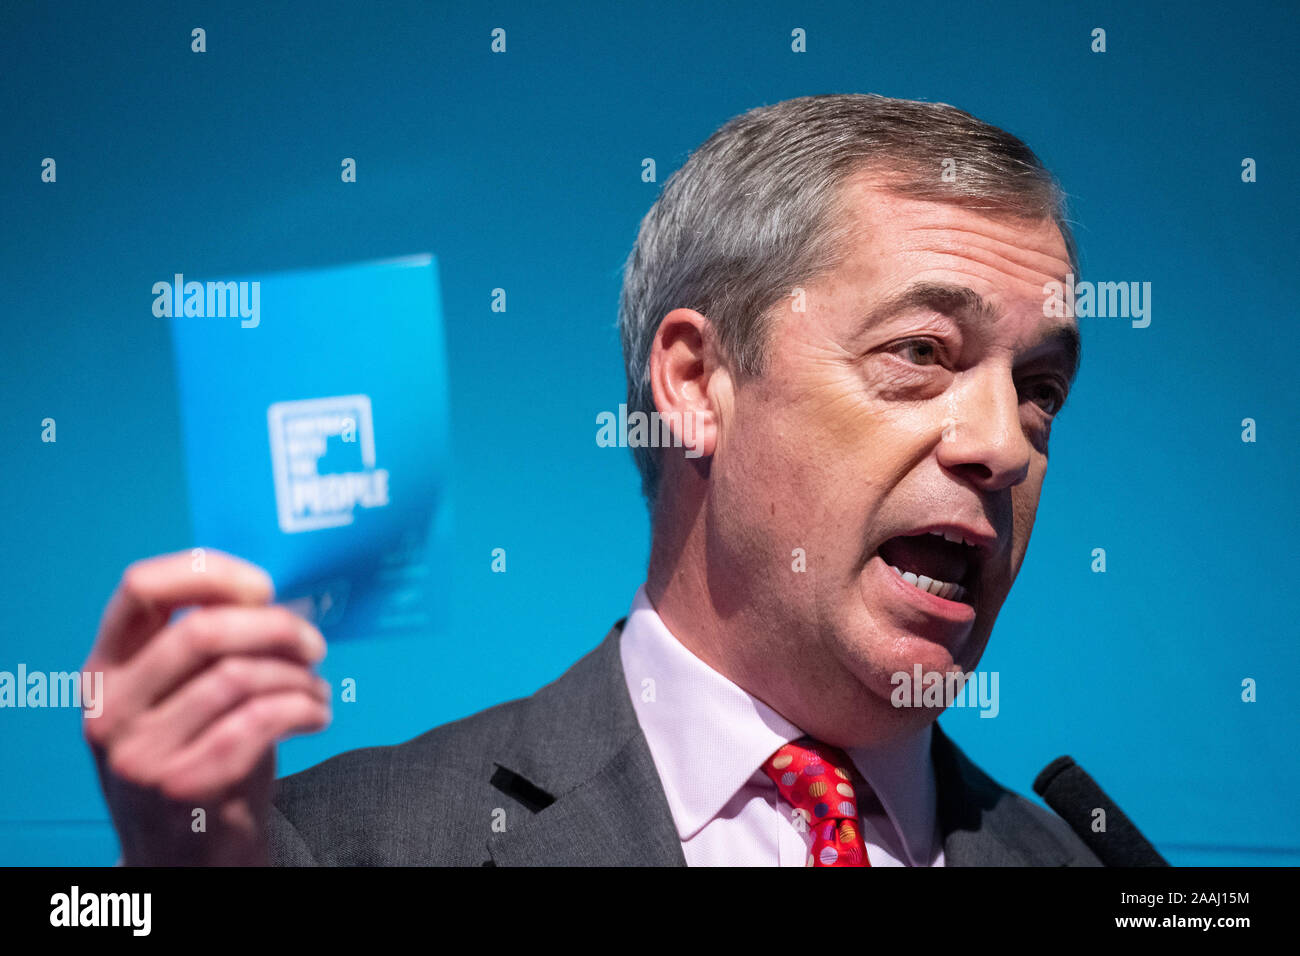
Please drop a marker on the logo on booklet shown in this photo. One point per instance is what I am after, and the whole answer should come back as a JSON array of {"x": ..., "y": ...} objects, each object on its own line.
[{"x": 323, "y": 459}]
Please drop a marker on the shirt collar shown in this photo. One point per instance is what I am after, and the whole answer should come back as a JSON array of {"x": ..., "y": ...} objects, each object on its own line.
[{"x": 709, "y": 737}]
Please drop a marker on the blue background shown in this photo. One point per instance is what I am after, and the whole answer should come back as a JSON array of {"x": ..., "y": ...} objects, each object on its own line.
[{"x": 522, "y": 171}]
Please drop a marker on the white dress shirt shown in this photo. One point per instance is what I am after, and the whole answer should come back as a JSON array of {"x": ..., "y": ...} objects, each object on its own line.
[{"x": 709, "y": 739}]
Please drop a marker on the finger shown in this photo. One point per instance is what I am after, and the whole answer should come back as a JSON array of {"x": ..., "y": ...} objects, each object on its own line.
[
  {"x": 214, "y": 692},
  {"x": 224, "y": 756},
  {"x": 151, "y": 589},
  {"x": 190, "y": 644}
]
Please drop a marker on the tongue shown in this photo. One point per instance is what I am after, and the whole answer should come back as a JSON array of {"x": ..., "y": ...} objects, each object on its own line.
[{"x": 927, "y": 554}]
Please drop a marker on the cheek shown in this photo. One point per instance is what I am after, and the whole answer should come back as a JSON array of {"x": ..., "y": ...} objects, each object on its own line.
[
  {"x": 864, "y": 440},
  {"x": 877, "y": 449},
  {"x": 1024, "y": 508},
  {"x": 785, "y": 475},
  {"x": 811, "y": 467},
  {"x": 762, "y": 478}
]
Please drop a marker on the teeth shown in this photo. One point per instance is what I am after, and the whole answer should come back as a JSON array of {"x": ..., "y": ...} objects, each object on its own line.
[
  {"x": 944, "y": 589},
  {"x": 952, "y": 536}
]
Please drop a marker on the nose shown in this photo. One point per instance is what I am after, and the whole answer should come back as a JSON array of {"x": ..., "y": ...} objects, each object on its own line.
[{"x": 983, "y": 439}]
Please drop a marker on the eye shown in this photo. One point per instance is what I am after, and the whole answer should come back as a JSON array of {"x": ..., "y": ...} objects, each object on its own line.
[
  {"x": 919, "y": 351},
  {"x": 1046, "y": 394}
]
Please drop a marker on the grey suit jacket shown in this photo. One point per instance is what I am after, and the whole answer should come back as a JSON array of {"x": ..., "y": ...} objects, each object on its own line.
[{"x": 565, "y": 777}]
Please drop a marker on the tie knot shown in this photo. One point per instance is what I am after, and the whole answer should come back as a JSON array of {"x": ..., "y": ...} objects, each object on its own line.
[{"x": 815, "y": 778}]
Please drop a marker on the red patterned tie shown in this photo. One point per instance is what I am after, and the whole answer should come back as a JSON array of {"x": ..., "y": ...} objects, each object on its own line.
[{"x": 814, "y": 778}]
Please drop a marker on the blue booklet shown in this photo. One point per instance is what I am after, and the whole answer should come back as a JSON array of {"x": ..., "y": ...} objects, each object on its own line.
[{"x": 314, "y": 410}]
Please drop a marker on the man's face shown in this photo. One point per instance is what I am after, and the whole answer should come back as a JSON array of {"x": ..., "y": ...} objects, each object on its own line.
[{"x": 915, "y": 394}]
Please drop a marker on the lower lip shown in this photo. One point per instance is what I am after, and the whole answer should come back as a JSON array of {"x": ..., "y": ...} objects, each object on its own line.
[{"x": 954, "y": 612}]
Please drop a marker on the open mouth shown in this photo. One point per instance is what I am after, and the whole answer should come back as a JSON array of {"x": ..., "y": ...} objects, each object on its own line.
[{"x": 941, "y": 563}]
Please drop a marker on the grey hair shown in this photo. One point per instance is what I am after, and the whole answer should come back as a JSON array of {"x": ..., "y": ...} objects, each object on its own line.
[{"x": 756, "y": 211}]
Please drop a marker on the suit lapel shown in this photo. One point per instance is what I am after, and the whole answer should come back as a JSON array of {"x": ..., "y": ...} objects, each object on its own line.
[
  {"x": 975, "y": 813},
  {"x": 586, "y": 769},
  {"x": 616, "y": 818}
]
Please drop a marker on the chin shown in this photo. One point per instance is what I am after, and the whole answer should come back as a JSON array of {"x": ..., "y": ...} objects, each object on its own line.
[
  {"x": 904, "y": 655},
  {"x": 877, "y": 646},
  {"x": 874, "y": 657}
]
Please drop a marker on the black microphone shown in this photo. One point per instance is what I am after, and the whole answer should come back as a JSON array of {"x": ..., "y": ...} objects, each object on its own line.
[{"x": 1076, "y": 798}]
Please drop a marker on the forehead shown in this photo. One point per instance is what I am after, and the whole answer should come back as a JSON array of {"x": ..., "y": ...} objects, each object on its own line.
[{"x": 895, "y": 239}]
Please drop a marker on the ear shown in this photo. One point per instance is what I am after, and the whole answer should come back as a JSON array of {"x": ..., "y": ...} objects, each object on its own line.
[{"x": 690, "y": 381}]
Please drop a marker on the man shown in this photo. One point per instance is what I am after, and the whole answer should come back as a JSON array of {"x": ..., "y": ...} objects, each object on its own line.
[{"x": 837, "y": 306}]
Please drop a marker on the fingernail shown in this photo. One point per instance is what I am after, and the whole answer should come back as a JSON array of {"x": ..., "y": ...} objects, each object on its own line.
[
  {"x": 312, "y": 641},
  {"x": 259, "y": 580}
]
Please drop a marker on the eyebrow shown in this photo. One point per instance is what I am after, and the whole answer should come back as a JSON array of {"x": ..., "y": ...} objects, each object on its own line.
[
  {"x": 1066, "y": 338},
  {"x": 968, "y": 308}
]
